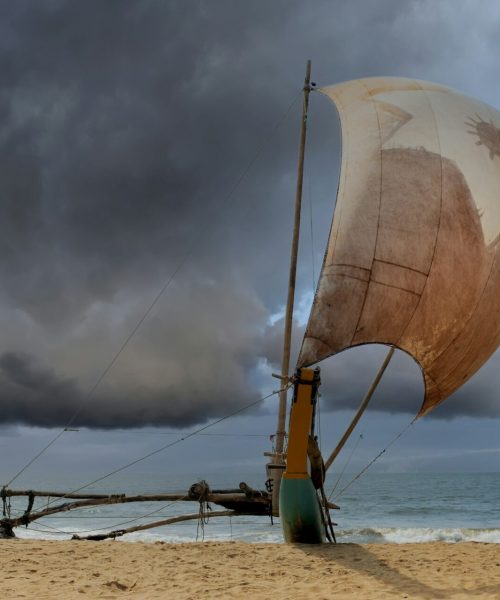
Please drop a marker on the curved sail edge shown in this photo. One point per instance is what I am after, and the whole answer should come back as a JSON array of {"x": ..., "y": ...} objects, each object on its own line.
[{"x": 412, "y": 258}]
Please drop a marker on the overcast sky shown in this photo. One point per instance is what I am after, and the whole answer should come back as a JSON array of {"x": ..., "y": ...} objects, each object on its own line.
[{"x": 126, "y": 134}]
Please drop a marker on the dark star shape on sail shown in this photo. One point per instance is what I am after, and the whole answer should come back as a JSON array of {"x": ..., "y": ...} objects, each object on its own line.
[{"x": 488, "y": 134}]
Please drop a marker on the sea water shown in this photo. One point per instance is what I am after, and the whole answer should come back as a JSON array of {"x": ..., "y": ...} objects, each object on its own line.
[{"x": 376, "y": 508}]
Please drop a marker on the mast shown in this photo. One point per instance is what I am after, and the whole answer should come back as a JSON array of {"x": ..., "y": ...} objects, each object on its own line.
[
  {"x": 285, "y": 364},
  {"x": 278, "y": 456}
]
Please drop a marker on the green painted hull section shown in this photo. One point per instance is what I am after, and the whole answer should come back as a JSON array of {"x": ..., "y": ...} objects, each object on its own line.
[{"x": 300, "y": 512}]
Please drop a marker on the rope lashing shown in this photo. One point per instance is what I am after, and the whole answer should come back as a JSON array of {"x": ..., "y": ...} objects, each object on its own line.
[
  {"x": 200, "y": 492},
  {"x": 269, "y": 488},
  {"x": 4, "y": 501},
  {"x": 25, "y": 519},
  {"x": 173, "y": 443}
]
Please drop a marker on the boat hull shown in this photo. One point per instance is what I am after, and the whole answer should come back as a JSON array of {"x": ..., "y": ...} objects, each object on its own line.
[{"x": 300, "y": 512}]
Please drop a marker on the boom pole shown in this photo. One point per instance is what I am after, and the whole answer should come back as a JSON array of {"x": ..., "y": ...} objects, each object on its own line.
[{"x": 361, "y": 410}]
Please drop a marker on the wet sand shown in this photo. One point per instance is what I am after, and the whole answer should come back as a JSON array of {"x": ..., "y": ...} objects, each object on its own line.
[{"x": 115, "y": 569}]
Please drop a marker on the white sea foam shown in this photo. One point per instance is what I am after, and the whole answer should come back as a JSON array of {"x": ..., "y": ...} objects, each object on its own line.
[
  {"x": 409, "y": 535},
  {"x": 368, "y": 535},
  {"x": 400, "y": 509}
]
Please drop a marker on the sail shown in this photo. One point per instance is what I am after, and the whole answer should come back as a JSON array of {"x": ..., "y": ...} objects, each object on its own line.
[{"x": 413, "y": 253}]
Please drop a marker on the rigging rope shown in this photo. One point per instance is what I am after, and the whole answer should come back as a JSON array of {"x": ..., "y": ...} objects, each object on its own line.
[
  {"x": 345, "y": 465},
  {"x": 237, "y": 435},
  {"x": 194, "y": 244},
  {"x": 364, "y": 469},
  {"x": 318, "y": 408},
  {"x": 312, "y": 235},
  {"x": 131, "y": 520},
  {"x": 54, "y": 530},
  {"x": 170, "y": 445}
]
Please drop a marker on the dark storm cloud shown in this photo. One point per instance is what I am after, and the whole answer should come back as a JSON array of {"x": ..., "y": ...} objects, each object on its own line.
[
  {"x": 184, "y": 370},
  {"x": 346, "y": 381},
  {"x": 38, "y": 397},
  {"x": 28, "y": 386},
  {"x": 123, "y": 127},
  {"x": 347, "y": 376}
]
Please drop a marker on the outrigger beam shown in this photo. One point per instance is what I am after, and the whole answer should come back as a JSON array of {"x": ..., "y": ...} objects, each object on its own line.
[
  {"x": 119, "y": 532},
  {"x": 243, "y": 500}
]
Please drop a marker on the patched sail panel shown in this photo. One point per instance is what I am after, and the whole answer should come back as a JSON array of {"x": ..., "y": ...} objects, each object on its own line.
[{"x": 413, "y": 254}]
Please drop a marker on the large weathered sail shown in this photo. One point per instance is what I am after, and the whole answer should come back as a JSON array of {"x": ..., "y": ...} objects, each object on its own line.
[{"x": 413, "y": 254}]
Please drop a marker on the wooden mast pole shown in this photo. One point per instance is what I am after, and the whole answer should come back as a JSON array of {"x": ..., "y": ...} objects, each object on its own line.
[
  {"x": 285, "y": 364},
  {"x": 287, "y": 337}
]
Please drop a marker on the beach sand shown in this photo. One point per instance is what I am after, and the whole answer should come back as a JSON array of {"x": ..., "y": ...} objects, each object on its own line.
[{"x": 113, "y": 569}]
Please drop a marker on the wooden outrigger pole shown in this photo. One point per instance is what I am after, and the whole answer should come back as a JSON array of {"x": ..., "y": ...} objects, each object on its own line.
[
  {"x": 276, "y": 467},
  {"x": 243, "y": 500}
]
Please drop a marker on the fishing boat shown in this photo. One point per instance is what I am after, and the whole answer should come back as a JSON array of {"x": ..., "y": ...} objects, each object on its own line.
[
  {"x": 412, "y": 262},
  {"x": 413, "y": 256}
]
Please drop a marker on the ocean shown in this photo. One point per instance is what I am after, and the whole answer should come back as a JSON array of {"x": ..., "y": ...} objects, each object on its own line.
[{"x": 376, "y": 508}]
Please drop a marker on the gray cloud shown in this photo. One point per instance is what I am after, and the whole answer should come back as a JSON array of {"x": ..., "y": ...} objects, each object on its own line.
[
  {"x": 122, "y": 129},
  {"x": 182, "y": 370},
  {"x": 347, "y": 376}
]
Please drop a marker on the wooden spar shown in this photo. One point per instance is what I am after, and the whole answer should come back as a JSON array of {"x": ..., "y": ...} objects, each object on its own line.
[
  {"x": 361, "y": 409},
  {"x": 69, "y": 495},
  {"x": 285, "y": 364},
  {"x": 276, "y": 467},
  {"x": 138, "y": 498},
  {"x": 120, "y": 532},
  {"x": 216, "y": 498}
]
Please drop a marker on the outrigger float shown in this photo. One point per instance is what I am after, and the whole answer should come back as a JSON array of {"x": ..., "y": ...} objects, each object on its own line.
[{"x": 412, "y": 262}]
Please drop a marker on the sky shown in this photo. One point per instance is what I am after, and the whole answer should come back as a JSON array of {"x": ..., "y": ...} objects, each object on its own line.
[{"x": 149, "y": 146}]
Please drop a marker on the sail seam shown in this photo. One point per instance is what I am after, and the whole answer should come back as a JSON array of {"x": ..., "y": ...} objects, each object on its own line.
[
  {"x": 315, "y": 337},
  {"x": 396, "y": 287},
  {"x": 347, "y": 265},
  {"x": 372, "y": 100},
  {"x": 347, "y": 276},
  {"x": 387, "y": 262}
]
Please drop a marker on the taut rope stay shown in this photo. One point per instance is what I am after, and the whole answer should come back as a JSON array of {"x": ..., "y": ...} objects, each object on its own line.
[
  {"x": 195, "y": 243},
  {"x": 235, "y": 497},
  {"x": 381, "y": 453}
]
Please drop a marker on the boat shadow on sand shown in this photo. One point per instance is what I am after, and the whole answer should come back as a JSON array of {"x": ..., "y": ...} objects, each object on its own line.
[{"x": 405, "y": 572}]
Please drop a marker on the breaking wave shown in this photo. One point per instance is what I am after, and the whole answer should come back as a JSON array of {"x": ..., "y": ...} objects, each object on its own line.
[{"x": 398, "y": 535}]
